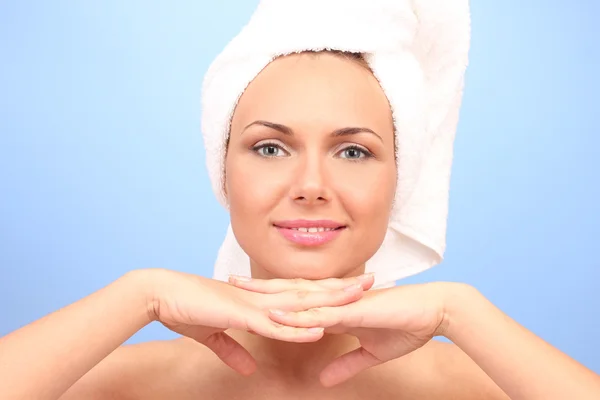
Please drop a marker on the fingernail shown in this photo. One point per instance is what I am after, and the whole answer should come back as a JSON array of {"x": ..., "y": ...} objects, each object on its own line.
[
  {"x": 366, "y": 277},
  {"x": 315, "y": 330},
  {"x": 277, "y": 312},
  {"x": 352, "y": 288},
  {"x": 240, "y": 278}
]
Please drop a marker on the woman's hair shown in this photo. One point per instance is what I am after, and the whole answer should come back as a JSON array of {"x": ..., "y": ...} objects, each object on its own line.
[{"x": 355, "y": 57}]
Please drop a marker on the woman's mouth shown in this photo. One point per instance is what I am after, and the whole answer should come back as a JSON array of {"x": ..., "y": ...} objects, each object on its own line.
[{"x": 309, "y": 233}]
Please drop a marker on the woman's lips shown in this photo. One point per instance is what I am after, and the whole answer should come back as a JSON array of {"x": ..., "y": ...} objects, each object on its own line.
[
  {"x": 309, "y": 238},
  {"x": 309, "y": 233}
]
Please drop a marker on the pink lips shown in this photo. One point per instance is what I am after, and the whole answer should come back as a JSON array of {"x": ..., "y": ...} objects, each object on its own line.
[{"x": 295, "y": 231}]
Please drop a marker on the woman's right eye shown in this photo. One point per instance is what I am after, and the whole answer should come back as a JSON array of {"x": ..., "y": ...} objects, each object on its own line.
[{"x": 270, "y": 150}]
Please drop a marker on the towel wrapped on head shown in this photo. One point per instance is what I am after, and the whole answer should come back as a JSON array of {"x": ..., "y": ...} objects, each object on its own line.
[{"x": 418, "y": 51}]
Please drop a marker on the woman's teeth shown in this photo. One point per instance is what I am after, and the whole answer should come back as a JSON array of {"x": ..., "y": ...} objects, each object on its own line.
[{"x": 313, "y": 230}]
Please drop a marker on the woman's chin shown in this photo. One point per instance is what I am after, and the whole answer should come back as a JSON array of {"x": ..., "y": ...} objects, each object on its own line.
[{"x": 309, "y": 269}]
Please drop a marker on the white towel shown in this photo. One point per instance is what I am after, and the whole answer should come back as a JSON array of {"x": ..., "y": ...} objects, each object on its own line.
[{"x": 418, "y": 50}]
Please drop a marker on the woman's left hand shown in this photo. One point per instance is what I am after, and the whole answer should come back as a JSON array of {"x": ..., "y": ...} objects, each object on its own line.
[{"x": 389, "y": 323}]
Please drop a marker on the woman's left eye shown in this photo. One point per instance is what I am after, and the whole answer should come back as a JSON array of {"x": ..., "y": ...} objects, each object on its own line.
[{"x": 354, "y": 153}]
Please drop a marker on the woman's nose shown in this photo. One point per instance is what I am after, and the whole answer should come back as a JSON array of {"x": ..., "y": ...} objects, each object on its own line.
[{"x": 310, "y": 183}]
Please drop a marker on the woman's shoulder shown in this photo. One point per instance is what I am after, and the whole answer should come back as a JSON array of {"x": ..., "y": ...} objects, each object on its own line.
[
  {"x": 139, "y": 371},
  {"x": 438, "y": 370},
  {"x": 453, "y": 374}
]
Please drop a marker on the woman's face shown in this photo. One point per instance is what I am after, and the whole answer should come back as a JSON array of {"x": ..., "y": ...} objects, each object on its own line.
[{"x": 310, "y": 169}]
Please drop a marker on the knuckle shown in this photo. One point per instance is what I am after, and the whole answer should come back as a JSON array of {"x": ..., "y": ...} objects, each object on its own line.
[
  {"x": 317, "y": 315},
  {"x": 272, "y": 333},
  {"x": 315, "y": 312},
  {"x": 302, "y": 294},
  {"x": 277, "y": 326},
  {"x": 279, "y": 329},
  {"x": 275, "y": 331}
]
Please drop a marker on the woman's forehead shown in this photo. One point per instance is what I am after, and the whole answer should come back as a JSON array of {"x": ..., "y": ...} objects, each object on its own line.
[{"x": 327, "y": 88}]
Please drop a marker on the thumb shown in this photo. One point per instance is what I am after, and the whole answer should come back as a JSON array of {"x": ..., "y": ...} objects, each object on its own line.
[
  {"x": 227, "y": 349},
  {"x": 347, "y": 365}
]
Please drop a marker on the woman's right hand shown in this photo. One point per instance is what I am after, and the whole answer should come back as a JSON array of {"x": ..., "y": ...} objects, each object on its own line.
[{"x": 202, "y": 309}]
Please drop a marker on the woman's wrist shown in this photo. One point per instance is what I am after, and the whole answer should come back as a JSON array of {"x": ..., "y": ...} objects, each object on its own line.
[
  {"x": 145, "y": 283},
  {"x": 457, "y": 299}
]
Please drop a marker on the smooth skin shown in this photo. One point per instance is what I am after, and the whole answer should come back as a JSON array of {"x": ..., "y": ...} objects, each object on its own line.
[
  {"x": 43, "y": 359},
  {"x": 284, "y": 162},
  {"x": 521, "y": 364}
]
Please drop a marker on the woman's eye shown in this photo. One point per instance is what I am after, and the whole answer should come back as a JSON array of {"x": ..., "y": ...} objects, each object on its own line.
[
  {"x": 269, "y": 150},
  {"x": 354, "y": 153}
]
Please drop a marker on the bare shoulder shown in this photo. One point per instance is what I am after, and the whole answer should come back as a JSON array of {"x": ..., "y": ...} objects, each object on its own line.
[
  {"x": 438, "y": 370},
  {"x": 137, "y": 371},
  {"x": 457, "y": 376},
  {"x": 149, "y": 370}
]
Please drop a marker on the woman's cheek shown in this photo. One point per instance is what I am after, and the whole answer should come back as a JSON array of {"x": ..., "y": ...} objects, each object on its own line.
[
  {"x": 370, "y": 185},
  {"x": 368, "y": 197},
  {"x": 256, "y": 186}
]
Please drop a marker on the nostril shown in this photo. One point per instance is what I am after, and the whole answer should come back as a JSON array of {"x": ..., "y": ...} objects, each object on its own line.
[{"x": 310, "y": 199}]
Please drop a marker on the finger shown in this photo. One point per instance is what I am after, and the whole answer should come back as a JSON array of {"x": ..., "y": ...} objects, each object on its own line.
[
  {"x": 231, "y": 353},
  {"x": 367, "y": 281},
  {"x": 300, "y": 300},
  {"x": 281, "y": 285},
  {"x": 346, "y": 366},
  {"x": 320, "y": 316},
  {"x": 274, "y": 330}
]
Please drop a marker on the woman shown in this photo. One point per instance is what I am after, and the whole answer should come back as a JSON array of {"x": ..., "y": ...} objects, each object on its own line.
[{"x": 311, "y": 146}]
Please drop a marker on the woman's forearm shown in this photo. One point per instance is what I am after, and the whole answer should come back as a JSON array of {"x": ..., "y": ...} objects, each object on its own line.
[
  {"x": 43, "y": 359},
  {"x": 519, "y": 362}
]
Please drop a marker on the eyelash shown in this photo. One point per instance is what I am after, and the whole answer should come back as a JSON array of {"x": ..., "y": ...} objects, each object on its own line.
[
  {"x": 366, "y": 153},
  {"x": 268, "y": 144}
]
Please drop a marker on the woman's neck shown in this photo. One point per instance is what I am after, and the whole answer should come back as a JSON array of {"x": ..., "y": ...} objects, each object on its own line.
[{"x": 295, "y": 363}]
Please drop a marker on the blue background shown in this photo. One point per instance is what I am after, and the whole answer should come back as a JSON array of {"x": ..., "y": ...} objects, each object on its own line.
[{"x": 102, "y": 165}]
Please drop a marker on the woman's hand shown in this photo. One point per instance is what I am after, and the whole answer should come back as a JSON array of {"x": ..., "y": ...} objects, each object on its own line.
[
  {"x": 202, "y": 309},
  {"x": 389, "y": 323}
]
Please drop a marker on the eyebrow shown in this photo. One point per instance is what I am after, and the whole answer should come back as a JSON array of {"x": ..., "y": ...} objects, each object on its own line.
[{"x": 286, "y": 130}]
